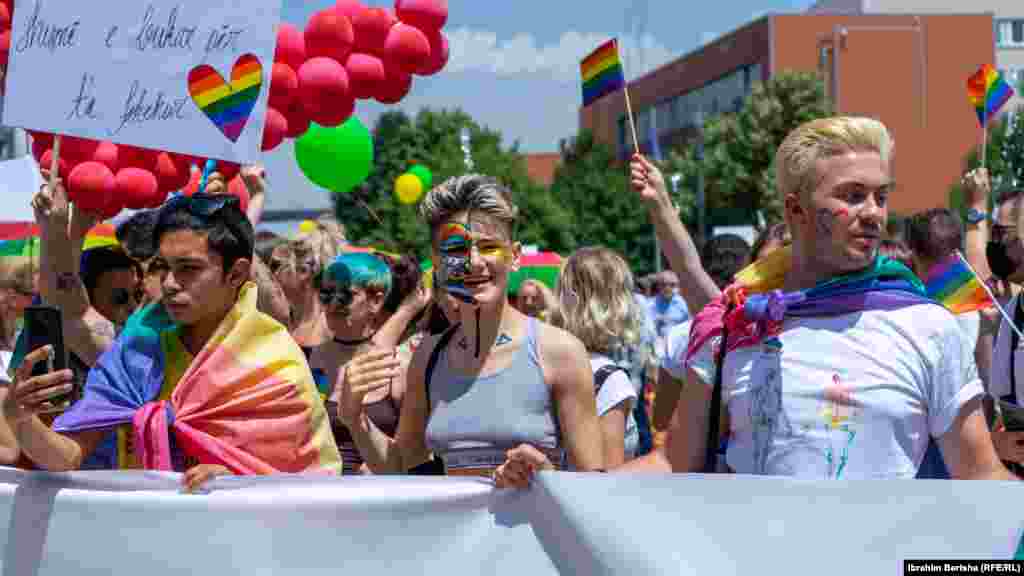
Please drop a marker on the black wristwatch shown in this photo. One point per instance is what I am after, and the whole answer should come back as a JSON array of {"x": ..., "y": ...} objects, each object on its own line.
[{"x": 975, "y": 216}]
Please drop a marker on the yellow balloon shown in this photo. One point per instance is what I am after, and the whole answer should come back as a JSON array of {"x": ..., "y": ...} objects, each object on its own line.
[
  {"x": 408, "y": 188},
  {"x": 307, "y": 226}
]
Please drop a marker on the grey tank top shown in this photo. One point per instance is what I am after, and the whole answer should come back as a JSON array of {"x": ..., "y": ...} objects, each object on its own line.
[{"x": 475, "y": 420}]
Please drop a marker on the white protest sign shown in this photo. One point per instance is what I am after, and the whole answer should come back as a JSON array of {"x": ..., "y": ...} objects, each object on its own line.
[{"x": 187, "y": 76}]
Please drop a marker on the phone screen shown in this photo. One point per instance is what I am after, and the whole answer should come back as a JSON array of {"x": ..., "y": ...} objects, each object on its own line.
[{"x": 43, "y": 327}]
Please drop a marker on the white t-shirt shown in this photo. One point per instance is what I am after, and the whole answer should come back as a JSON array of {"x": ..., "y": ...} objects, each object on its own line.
[
  {"x": 617, "y": 388},
  {"x": 677, "y": 341},
  {"x": 999, "y": 374},
  {"x": 852, "y": 397},
  {"x": 5, "y": 367}
]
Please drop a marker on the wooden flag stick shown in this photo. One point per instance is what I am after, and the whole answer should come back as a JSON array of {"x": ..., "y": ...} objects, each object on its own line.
[{"x": 629, "y": 106}]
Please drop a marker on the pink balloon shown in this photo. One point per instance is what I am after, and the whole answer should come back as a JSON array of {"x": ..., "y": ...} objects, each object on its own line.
[
  {"x": 329, "y": 35},
  {"x": 107, "y": 154},
  {"x": 371, "y": 27},
  {"x": 284, "y": 85},
  {"x": 324, "y": 91},
  {"x": 91, "y": 186},
  {"x": 291, "y": 46},
  {"x": 275, "y": 128},
  {"x": 136, "y": 188},
  {"x": 365, "y": 74},
  {"x": 407, "y": 47},
  {"x": 298, "y": 120},
  {"x": 395, "y": 87},
  {"x": 438, "y": 55},
  {"x": 427, "y": 15}
]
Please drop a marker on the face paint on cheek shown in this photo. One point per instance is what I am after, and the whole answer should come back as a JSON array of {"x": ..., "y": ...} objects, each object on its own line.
[
  {"x": 455, "y": 248},
  {"x": 841, "y": 213}
]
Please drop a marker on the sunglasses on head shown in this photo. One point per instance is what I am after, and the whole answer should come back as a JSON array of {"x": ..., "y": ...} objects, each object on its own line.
[
  {"x": 341, "y": 297},
  {"x": 200, "y": 204}
]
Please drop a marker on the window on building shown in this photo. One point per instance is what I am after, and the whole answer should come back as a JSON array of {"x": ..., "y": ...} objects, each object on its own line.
[{"x": 1018, "y": 31}]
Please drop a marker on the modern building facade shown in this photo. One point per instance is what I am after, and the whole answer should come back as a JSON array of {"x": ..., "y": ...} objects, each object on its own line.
[{"x": 908, "y": 70}]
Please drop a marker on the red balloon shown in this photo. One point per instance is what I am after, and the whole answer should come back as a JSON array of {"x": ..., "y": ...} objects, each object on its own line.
[
  {"x": 407, "y": 47},
  {"x": 80, "y": 148},
  {"x": 438, "y": 55},
  {"x": 159, "y": 198},
  {"x": 62, "y": 165},
  {"x": 42, "y": 137},
  {"x": 365, "y": 74},
  {"x": 238, "y": 189},
  {"x": 423, "y": 14},
  {"x": 291, "y": 46},
  {"x": 275, "y": 128},
  {"x": 136, "y": 188},
  {"x": 329, "y": 35},
  {"x": 5, "y": 46},
  {"x": 193, "y": 183},
  {"x": 371, "y": 27},
  {"x": 91, "y": 186},
  {"x": 298, "y": 120},
  {"x": 113, "y": 208},
  {"x": 349, "y": 8},
  {"x": 227, "y": 169},
  {"x": 324, "y": 91},
  {"x": 169, "y": 174},
  {"x": 284, "y": 85},
  {"x": 5, "y": 16},
  {"x": 107, "y": 154},
  {"x": 396, "y": 87},
  {"x": 38, "y": 149},
  {"x": 135, "y": 157}
]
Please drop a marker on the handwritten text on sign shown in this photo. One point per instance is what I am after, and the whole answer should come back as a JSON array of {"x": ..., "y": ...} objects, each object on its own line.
[{"x": 188, "y": 76}]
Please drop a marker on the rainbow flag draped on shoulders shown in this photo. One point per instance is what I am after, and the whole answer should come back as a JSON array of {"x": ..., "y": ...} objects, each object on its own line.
[
  {"x": 754, "y": 307},
  {"x": 247, "y": 401}
]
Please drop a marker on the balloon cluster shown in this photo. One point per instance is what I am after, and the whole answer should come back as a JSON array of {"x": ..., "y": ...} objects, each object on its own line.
[
  {"x": 409, "y": 187},
  {"x": 350, "y": 51},
  {"x": 105, "y": 178}
]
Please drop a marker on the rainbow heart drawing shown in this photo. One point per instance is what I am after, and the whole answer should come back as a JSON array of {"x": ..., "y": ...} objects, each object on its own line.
[{"x": 227, "y": 105}]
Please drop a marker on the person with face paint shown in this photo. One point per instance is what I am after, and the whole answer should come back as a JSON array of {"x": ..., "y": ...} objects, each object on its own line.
[
  {"x": 498, "y": 394},
  {"x": 368, "y": 302},
  {"x": 829, "y": 361}
]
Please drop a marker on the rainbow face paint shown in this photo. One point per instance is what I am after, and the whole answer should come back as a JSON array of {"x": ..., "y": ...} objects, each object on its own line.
[{"x": 455, "y": 247}]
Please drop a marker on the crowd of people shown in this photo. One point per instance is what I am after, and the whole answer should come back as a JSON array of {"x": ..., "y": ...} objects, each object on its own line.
[{"x": 813, "y": 353}]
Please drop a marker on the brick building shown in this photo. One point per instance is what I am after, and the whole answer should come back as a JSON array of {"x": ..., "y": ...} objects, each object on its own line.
[{"x": 909, "y": 70}]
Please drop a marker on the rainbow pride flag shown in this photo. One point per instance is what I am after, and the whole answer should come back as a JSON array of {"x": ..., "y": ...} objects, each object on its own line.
[
  {"x": 246, "y": 401},
  {"x": 228, "y": 105},
  {"x": 988, "y": 92},
  {"x": 602, "y": 72},
  {"x": 954, "y": 284}
]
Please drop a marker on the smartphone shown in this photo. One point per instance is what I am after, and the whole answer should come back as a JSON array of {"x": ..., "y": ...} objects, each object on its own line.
[
  {"x": 44, "y": 327},
  {"x": 1013, "y": 416}
]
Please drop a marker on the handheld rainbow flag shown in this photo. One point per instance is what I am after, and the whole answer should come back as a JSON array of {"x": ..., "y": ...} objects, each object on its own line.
[
  {"x": 954, "y": 284},
  {"x": 988, "y": 92},
  {"x": 602, "y": 72}
]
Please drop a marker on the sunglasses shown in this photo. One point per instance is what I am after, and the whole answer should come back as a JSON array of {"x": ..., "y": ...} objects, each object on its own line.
[{"x": 341, "y": 297}]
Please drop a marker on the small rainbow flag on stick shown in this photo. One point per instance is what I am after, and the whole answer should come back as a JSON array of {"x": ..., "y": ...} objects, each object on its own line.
[
  {"x": 602, "y": 72},
  {"x": 954, "y": 284},
  {"x": 988, "y": 92}
]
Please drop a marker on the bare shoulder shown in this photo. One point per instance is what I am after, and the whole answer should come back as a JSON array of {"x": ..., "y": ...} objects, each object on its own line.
[{"x": 561, "y": 353}]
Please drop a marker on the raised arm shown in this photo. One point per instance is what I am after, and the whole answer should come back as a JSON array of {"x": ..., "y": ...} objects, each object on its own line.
[{"x": 695, "y": 286}]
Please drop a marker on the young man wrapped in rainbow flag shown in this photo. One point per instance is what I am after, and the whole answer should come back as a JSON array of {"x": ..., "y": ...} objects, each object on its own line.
[{"x": 204, "y": 363}]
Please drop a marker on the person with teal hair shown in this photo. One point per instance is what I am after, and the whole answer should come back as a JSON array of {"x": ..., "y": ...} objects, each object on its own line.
[{"x": 369, "y": 300}]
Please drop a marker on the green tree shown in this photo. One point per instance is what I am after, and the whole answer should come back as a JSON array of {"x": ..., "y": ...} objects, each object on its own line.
[
  {"x": 372, "y": 215},
  {"x": 739, "y": 148},
  {"x": 604, "y": 210},
  {"x": 1004, "y": 159}
]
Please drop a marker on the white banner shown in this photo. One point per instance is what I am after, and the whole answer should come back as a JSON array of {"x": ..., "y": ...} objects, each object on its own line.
[
  {"x": 114, "y": 523},
  {"x": 188, "y": 76}
]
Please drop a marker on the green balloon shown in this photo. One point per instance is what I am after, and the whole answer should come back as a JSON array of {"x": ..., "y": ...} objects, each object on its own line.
[
  {"x": 423, "y": 173},
  {"x": 339, "y": 158}
]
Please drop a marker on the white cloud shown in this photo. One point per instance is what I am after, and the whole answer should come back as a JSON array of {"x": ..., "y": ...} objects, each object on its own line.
[{"x": 481, "y": 50}]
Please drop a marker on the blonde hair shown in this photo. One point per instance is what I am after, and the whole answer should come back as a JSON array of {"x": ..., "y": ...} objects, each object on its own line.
[
  {"x": 795, "y": 171},
  {"x": 316, "y": 249},
  {"x": 16, "y": 273},
  {"x": 474, "y": 192},
  {"x": 596, "y": 303}
]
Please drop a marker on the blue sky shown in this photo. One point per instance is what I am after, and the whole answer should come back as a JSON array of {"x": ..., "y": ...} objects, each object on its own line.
[{"x": 514, "y": 63}]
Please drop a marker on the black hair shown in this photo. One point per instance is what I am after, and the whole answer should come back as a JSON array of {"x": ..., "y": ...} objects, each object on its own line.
[
  {"x": 228, "y": 231},
  {"x": 723, "y": 256},
  {"x": 95, "y": 261},
  {"x": 934, "y": 234},
  {"x": 405, "y": 277},
  {"x": 136, "y": 234}
]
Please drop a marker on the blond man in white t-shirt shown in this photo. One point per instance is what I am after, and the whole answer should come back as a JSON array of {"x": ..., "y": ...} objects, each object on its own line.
[{"x": 844, "y": 395}]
